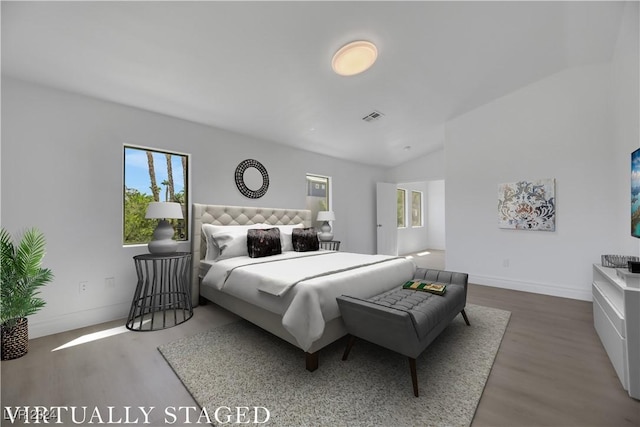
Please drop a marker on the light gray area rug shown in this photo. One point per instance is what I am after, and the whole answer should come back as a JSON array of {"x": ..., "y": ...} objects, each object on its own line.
[{"x": 241, "y": 365}]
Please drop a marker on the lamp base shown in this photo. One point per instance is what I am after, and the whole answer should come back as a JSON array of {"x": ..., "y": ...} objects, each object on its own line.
[
  {"x": 162, "y": 242},
  {"x": 325, "y": 232}
]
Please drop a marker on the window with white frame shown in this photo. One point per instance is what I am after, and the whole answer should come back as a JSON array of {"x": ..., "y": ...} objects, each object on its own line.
[
  {"x": 402, "y": 210},
  {"x": 152, "y": 175},
  {"x": 318, "y": 194},
  {"x": 416, "y": 209}
]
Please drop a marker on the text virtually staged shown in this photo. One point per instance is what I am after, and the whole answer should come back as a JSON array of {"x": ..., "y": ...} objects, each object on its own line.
[{"x": 173, "y": 415}]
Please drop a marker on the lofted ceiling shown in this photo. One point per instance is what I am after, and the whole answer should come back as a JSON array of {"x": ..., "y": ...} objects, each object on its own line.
[{"x": 264, "y": 68}]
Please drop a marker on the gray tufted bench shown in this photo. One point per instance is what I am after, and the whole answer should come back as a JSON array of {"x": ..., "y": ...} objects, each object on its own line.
[{"x": 404, "y": 320}]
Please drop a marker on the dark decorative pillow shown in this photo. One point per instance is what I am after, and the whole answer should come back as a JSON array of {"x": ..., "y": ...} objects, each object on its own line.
[
  {"x": 263, "y": 242},
  {"x": 305, "y": 239}
]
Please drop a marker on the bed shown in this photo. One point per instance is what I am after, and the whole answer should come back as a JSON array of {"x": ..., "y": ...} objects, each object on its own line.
[{"x": 291, "y": 294}]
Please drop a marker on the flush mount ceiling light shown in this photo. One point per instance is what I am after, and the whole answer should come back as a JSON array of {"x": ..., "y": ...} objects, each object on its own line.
[{"x": 354, "y": 58}]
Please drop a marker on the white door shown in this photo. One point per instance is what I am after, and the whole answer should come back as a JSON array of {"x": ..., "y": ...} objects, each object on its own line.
[{"x": 387, "y": 201}]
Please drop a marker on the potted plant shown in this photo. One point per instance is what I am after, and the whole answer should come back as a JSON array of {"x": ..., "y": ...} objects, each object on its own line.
[{"x": 21, "y": 276}]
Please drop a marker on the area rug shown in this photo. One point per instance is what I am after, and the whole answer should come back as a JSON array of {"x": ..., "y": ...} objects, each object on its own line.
[{"x": 240, "y": 365}]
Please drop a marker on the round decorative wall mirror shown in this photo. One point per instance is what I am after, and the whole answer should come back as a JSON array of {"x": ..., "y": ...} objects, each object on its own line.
[{"x": 252, "y": 179}]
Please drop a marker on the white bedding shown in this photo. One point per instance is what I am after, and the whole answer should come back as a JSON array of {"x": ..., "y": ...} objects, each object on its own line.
[{"x": 300, "y": 287}]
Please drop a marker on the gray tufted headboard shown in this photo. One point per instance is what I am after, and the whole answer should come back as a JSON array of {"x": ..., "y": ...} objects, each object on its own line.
[{"x": 234, "y": 215}]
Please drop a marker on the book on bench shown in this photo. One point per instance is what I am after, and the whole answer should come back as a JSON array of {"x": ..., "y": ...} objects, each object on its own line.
[{"x": 419, "y": 285}]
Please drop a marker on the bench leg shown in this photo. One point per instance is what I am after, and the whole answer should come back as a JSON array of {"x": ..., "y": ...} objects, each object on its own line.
[
  {"x": 414, "y": 375},
  {"x": 466, "y": 319},
  {"x": 311, "y": 360},
  {"x": 352, "y": 340}
]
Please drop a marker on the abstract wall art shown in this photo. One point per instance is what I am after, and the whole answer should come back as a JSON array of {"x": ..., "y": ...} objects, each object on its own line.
[
  {"x": 635, "y": 193},
  {"x": 527, "y": 205}
]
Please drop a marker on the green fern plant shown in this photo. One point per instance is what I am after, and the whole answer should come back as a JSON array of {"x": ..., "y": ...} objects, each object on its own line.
[{"x": 21, "y": 275}]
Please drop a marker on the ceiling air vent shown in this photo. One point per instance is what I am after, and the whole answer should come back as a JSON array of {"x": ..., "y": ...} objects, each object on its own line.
[{"x": 373, "y": 116}]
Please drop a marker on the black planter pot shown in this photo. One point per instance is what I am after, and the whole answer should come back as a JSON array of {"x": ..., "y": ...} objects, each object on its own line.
[{"x": 15, "y": 339}]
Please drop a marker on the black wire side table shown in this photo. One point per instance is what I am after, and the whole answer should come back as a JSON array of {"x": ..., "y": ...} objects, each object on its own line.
[
  {"x": 332, "y": 245},
  {"x": 163, "y": 295}
]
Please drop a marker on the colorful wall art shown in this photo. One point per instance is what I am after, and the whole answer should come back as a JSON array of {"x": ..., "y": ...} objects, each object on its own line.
[
  {"x": 527, "y": 205},
  {"x": 635, "y": 193}
]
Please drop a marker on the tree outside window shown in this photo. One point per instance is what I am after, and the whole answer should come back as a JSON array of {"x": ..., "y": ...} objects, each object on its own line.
[
  {"x": 152, "y": 175},
  {"x": 416, "y": 209},
  {"x": 402, "y": 198}
]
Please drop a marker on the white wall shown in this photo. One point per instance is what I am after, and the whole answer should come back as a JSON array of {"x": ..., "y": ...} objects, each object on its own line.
[
  {"x": 626, "y": 126},
  {"x": 429, "y": 167},
  {"x": 62, "y": 172},
  {"x": 436, "y": 222},
  {"x": 561, "y": 128},
  {"x": 579, "y": 127}
]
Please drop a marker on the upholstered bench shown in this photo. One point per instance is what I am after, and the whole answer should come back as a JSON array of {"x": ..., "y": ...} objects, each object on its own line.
[{"x": 406, "y": 320}]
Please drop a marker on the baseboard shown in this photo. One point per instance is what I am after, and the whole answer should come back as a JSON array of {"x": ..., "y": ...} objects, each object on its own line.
[
  {"x": 78, "y": 319},
  {"x": 537, "y": 288}
]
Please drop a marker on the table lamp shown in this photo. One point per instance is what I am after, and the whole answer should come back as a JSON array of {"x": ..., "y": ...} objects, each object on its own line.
[
  {"x": 162, "y": 242},
  {"x": 325, "y": 230}
]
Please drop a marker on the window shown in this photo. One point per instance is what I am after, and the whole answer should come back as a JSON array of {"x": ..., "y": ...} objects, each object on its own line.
[
  {"x": 318, "y": 194},
  {"x": 416, "y": 209},
  {"x": 152, "y": 175},
  {"x": 402, "y": 198}
]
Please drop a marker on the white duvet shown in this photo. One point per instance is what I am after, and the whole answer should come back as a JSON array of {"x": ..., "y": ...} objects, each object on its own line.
[{"x": 303, "y": 286}]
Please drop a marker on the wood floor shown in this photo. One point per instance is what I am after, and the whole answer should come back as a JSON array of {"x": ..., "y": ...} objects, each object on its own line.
[{"x": 551, "y": 369}]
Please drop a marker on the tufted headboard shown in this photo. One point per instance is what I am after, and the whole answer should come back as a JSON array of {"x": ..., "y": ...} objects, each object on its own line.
[{"x": 234, "y": 215}]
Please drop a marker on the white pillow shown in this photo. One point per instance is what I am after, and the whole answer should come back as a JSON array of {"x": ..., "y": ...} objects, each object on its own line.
[
  {"x": 286, "y": 231},
  {"x": 231, "y": 243},
  {"x": 225, "y": 237}
]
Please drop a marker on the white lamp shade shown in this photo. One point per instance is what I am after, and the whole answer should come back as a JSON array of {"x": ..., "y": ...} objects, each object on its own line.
[
  {"x": 164, "y": 210},
  {"x": 326, "y": 216}
]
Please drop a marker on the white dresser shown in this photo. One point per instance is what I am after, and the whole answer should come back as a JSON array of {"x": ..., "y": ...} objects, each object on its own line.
[{"x": 616, "y": 316}]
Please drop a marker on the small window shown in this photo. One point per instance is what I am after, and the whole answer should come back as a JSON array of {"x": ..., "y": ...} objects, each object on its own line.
[
  {"x": 402, "y": 200},
  {"x": 318, "y": 194},
  {"x": 416, "y": 209},
  {"x": 152, "y": 175}
]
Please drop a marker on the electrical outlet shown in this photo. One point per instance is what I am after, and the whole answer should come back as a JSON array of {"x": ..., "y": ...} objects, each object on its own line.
[
  {"x": 505, "y": 262},
  {"x": 110, "y": 282},
  {"x": 82, "y": 287}
]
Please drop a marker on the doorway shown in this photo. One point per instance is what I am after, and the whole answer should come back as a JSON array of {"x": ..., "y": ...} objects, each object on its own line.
[{"x": 429, "y": 236}]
